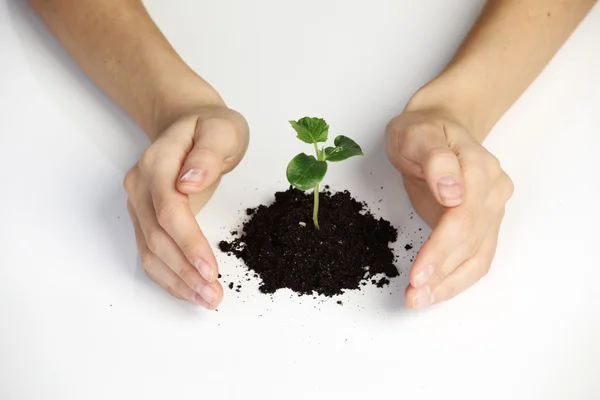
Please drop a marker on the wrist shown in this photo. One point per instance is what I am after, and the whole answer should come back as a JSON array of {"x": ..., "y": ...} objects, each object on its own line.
[
  {"x": 182, "y": 95},
  {"x": 451, "y": 98}
]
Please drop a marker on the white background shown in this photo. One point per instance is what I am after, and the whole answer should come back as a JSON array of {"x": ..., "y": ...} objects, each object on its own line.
[{"x": 80, "y": 320}]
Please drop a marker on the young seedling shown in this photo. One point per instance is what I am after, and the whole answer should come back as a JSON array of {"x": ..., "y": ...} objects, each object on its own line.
[{"x": 306, "y": 172}]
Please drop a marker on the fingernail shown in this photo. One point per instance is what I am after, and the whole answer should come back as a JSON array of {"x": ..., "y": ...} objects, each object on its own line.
[
  {"x": 205, "y": 270},
  {"x": 423, "y": 276},
  {"x": 193, "y": 175},
  {"x": 196, "y": 298},
  {"x": 449, "y": 188},
  {"x": 207, "y": 293},
  {"x": 422, "y": 298}
]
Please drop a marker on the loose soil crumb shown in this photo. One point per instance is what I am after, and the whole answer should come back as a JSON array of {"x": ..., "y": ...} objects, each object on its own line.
[
  {"x": 382, "y": 282},
  {"x": 351, "y": 248}
]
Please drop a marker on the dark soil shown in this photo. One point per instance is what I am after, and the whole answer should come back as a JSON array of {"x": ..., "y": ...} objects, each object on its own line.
[{"x": 280, "y": 243}]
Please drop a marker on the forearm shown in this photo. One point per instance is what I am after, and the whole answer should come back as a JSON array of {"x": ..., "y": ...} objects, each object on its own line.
[
  {"x": 507, "y": 48},
  {"x": 118, "y": 45}
]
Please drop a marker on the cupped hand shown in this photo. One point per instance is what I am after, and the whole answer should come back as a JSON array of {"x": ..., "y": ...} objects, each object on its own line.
[
  {"x": 460, "y": 190},
  {"x": 170, "y": 183}
]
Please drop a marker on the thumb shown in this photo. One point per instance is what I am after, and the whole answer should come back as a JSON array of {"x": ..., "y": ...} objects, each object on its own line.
[
  {"x": 216, "y": 144},
  {"x": 441, "y": 168}
]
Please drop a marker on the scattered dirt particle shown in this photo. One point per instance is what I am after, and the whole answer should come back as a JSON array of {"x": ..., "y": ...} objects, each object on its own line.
[{"x": 382, "y": 282}]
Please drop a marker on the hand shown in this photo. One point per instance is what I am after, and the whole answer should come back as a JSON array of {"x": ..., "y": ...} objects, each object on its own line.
[
  {"x": 171, "y": 182},
  {"x": 460, "y": 190}
]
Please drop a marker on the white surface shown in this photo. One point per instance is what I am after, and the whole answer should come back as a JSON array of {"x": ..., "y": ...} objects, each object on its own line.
[{"x": 80, "y": 320}]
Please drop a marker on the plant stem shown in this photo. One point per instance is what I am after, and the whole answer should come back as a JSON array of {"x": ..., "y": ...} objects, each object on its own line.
[
  {"x": 316, "y": 193},
  {"x": 317, "y": 151},
  {"x": 316, "y": 207}
]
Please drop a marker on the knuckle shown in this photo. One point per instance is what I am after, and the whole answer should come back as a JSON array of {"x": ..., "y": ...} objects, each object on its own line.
[
  {"x": 438, "y": 151},
  {"x": 150, "y": 275},
  {"x": 165, "y": 213},
  {"x": 187, "y": 274},
  {"x": 415, "y": 131},
  {"x": 392, "y": 138},
  {"x": 130, "y": 209},
  {"x": 472, "y": 244},
  {"x": 148, "y": 159},
  {"x": 510, "y": 186},
  {"x": 186, "y": 247},
  {"x": 474, "y": 163},
  {"x": 173, "y": 290},
  {"x": 130, "y": 180},
  {"x": 479, "y": 269},
  {"x": 465, "y": 219},
  {"x": 445, "y": 292},
  {"x": 221, "y": 125},
  {"x": 154, "y": 240},
  {"x": 221, "y": 132},
  {"x": 405, "y": 134},
  {"x": 485, "y": 270},
  {"x": 479, "y": 159},
  {"x": 493, "y": 167},
  {"x": 181, "y": 290},
  {"x": 147, "y": 262}
]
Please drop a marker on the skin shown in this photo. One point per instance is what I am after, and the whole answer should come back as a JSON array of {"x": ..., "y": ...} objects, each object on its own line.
[{"x": 455, "y": 184}]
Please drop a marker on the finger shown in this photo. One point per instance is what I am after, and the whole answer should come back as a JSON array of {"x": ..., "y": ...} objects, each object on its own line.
[
  {"x": 428, "y": 207},
  {"x": 216, "y": 141},
  {"x": 158, "y": 271},
  {"x": 489, "y": 218},
  {"x": 469, "y": 272},
  {"x": 163, "y": 246},
  {"x": 199, "y": 200},
  {"x": 424, "y": 149},
  {"x": 442, "y": 172},
  {"x": 478, "y": 264},
  {"x": 172, "y": 208},
  {"x": 455, "y": 227}
]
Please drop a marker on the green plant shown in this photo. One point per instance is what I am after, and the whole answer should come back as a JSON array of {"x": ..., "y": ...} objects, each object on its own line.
[{"x": 306, "y": 172}]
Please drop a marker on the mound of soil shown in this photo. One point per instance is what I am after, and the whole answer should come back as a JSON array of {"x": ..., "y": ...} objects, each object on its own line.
[{"x": 281, "y": 245}]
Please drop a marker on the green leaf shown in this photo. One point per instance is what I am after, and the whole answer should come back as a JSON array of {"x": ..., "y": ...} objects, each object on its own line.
[
  {"x": 344, "y": 148},
  {"x": 305, "y": 172},
  {"x": 311, "y": 130}
]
